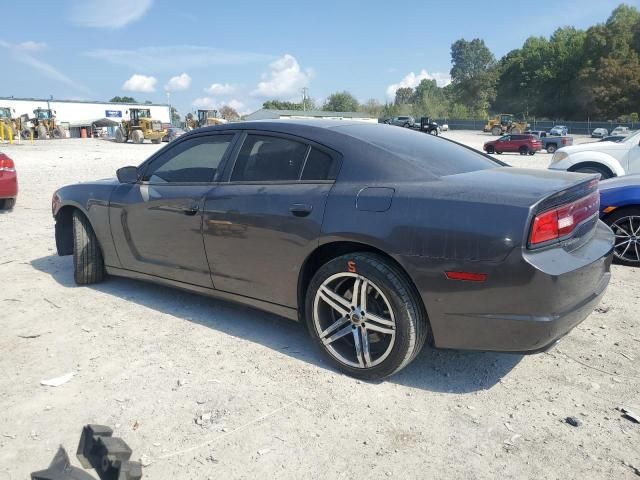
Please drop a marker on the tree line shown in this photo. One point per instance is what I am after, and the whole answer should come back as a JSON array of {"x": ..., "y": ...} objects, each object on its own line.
[{"x": 573, "y": 75}]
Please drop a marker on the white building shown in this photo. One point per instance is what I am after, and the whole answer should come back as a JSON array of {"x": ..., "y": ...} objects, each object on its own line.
[{"x": 77, "y": 114}]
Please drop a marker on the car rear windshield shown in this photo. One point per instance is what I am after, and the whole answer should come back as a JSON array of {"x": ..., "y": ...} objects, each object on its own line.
[{"x": 427, "y": 154}]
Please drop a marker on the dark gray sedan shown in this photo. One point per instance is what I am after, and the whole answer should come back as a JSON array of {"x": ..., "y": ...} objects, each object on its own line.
[{"x": 378, "y": 238}]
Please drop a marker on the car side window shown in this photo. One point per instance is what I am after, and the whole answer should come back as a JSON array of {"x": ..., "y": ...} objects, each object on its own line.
[
  {"x": 194, "y": 160},
  {"x": 265, "y": 158},
  {"x": 318, "y": 166}
]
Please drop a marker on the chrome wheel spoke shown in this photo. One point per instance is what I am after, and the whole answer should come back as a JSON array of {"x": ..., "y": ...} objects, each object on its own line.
[
  {"x": 334, "y": 326},
  {"x": 335, "y": 301},
  {"x": 635, "y": 246},
  {"x": 339, "y": 334},
  {"x": 378, "y": 328},
  {"x": 628, "y": 240},
  {"x": 365, "y": 347},
  {"x": 382, "y": 321},
  {"x": 355, "y": 295},
  {"x": 357, "y": 343},
  {"x": 626, "y": 234},
  {"x": 625, "y": 249}
]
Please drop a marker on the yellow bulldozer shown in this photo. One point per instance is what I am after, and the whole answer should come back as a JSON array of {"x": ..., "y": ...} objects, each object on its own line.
[
  {"x": 139, "y": 127},
  {"x": 504, "y": 123},
  {"x": 204, "y": 118},
  {"x": 42, "y": 126},
  {"x": 9, "y": 126}
]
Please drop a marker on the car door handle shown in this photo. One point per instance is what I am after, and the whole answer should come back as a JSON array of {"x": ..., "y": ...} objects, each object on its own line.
[
  {"x": 192, "y": 210},
  {"x": 301, "y": 209}
]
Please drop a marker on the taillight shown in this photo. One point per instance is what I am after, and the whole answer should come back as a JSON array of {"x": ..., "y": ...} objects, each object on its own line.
[
  {"x": 6, "y": 164},
  {"x": 563, "y": 220}
]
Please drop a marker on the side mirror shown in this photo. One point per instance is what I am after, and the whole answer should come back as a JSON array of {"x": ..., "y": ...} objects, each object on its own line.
[{"x": 127, "y": 174}]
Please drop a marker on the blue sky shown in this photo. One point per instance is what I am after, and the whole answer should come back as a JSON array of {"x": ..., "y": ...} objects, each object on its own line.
[{"x": 210, "y": 53}]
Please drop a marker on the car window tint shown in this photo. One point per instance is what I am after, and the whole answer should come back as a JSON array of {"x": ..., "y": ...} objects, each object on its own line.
[
  {"x": 195, "y": 160},
  {"x": 318, "y": 166},
  {"x": 265, "y": 158}
]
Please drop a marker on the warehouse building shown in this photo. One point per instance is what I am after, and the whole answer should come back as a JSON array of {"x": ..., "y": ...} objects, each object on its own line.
[
  {"x": 77, "y": 115},
  {"x": 267, "y": 114}
]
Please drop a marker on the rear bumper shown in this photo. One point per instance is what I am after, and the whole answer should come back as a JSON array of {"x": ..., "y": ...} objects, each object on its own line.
[
  {"x": 8, "y": 185},
  {"x": 528, "y": 301}
]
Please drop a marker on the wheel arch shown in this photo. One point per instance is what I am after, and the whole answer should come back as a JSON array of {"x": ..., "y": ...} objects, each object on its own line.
[
  {"x": 328, "y": 251},
  {"x": 621, "y": 208},
  {"x": 599, "y": 165},
  {"x": 64, "y": 227},
  {"x": 595, "y": 159}
]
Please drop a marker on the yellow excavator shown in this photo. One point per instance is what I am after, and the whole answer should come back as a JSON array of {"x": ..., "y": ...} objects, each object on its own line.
[
  {"x": 139, "y": 127},
  {"x": 8, "y": 123},
  {"x": 504, "y": 123},
  {"x": 204, "y": 118},
  {"x": 42, "y": 126}
]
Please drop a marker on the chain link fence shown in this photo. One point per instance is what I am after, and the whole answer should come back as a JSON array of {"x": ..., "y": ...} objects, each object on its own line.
[{"x": 576, "y": 128}]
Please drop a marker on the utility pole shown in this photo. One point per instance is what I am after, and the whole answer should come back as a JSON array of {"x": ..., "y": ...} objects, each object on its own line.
[
  {"x": 305, "y": 92},
  {"x": 169, "y": 104}
]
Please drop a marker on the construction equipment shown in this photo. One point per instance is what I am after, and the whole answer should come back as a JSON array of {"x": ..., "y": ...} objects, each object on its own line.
[
  {"x": 504, "y": 123},
  {"x": 204, "y": 118},
  {"x": 8, "y": 127},
  {"x": 42, "y": 125},
  {"x": 139, "y": 127}
]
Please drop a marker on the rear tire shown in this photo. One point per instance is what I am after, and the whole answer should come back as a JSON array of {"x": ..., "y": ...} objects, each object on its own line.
[
  {"x": 7, "y": 204},
  {"x": 532, "y": 152},
  {"x": 137, "y": 136},
  {"x": 88, "y": 264},
  {"x": 496, "y": 131},
  {"x": 621, "y": 222},
  {"x": 551, "y": 148},
  {"x": 156, "y": 140},
  {"x": 523, "y": 150},
  {"x": 120, "y": 136},
  {"x": 57, "y": 133},
  {"x": 389, "y": 326},
  {"x": 491, "y": 150}
]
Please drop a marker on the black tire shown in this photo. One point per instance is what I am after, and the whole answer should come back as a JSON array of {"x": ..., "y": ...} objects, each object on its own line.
[
  {"x": 137, "y": 136},
  {"x": 88, "y": 264},
  {"x": 42, "y": 132},
  {"x": 622, "y": 215},
  {"x": 532, "y": 152},
  {"x": 156, "y": 140},
  {"x": 523, "y": 150},
  {"x": 603, "y": 171},
  {"x": 499, "y": 153},
  {"x": 491, "y": 150},
  {"x": 57, "y": 133},
  {"x": 551, "y": 148},
  {"x": 411, "y": 324},
  {"x": 496, "y": 131},
  {"x": 25, "y": 134},
  {"x": 120, "y": 136},
  {"x": 434, "y": 131},
  {"x": 7, "y": 203}
]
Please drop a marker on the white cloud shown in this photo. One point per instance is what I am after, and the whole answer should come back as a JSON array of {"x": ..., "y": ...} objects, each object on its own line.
[
  {"x": 412, "y": 80},
  {"x": 237, "y": 105},
  {"x": 108, "y": 14},
  {"x": 140, "y": 83},
  {"x": 284, "y": 81},
  {"x": 220, "y": 89},
  {"x": 204, "y": 102},
  {"x": 24, "y": 53},
  {"x": 174, "y": 57},
  {"x": 179, "y": 82}
]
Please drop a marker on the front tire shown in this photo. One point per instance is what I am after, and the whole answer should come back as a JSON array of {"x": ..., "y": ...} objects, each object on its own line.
[
  {"x": 7, "y": 203},
  {"x": 524, "y": 150},
  {"x": 624, "y": 223},
  {"x": 603, "y": 171},
  {"x": 88, "y": 264},
  {"x": 373, "y": 333},
  {"x": 491, "y": 150},
  {"x": 42, "y": 132},
  {"x": 137, "y": 136},
  {"x": 551, "y": 148},
  {"x": 496, "y": 131}
]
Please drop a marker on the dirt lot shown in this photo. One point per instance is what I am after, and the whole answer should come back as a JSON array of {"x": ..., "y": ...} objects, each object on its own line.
[{"x": 200, "y": 388}]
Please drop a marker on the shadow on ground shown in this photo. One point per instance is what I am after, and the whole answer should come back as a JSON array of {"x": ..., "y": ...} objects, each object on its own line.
[{"x": 434, "y": 370}]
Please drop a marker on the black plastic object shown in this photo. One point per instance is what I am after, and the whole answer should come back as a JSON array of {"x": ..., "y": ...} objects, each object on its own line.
[
  {"x": 108, "y": 455},
  {"x": 61, "y": 469}
]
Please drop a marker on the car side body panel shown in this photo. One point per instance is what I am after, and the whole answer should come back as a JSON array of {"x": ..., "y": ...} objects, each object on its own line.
[{"x": 589, "y": 157}]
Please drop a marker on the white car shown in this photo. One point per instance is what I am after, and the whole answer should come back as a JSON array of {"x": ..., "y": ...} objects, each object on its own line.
[
  {"x": 444, "y": 127},
  {"x": 609, "y": 159},
  {"x": 620, "y": 131}
]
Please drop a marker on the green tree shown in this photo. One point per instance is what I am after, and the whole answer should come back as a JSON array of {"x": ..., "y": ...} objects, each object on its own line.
[
  {"x": 123, "y": 100},
  {"x": 404, "y": 95},
  {"x": 175, "y": 116},
  {"x": 372, "y": 107},
  {"x": 229, "y": 113},
  {"x": 473, "y": 74},
  {"x": 341, "y": 102}
]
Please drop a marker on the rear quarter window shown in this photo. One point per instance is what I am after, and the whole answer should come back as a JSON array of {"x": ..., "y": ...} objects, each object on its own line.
[{"x": 425, "y": 155}]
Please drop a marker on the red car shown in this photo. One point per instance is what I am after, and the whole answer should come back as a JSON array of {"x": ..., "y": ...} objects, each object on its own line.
[
  {"x": 521, "y": 143},
  {"x": 8, "y": 183}
]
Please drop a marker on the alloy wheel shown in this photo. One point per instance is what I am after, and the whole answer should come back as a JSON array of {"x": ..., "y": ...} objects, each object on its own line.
[
  {"x": 627, "y": 243},
  {"x": 354, "y": 320}
]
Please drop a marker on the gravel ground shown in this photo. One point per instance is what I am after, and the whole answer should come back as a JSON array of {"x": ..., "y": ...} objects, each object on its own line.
[{"x": 201, "y": 388}]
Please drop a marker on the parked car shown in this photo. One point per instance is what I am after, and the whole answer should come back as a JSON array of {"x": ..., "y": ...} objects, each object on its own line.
[
  {"x": 444, "y": 127},
  {"x": 381, "y": 239},
  {"x": 8, "y": 182},
  {"x": 616, "y": 138},
  {"x": 609, "y": 159},
  {"x": 559, "y": 130},
  {"x": 620, "y": 131},
  {"x": 172, "y": 134},
  {"x": 620, "y": 209},
  {"x": 402, "y": 121},
  {"x": 551, "y": 143},
  {"x": 599, "y": 133},
  {"x": 522, "y": 143},
  {"x": 427, "y": 125}
]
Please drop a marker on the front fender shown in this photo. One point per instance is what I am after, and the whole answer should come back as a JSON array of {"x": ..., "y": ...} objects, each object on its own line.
[{"x": 589, "y": 157}]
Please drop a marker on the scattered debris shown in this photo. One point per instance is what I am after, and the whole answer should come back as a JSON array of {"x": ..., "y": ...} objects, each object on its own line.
[
  {"x": 633, "y": 468},
  {"x": 32, "y": 335},
  {"x": 57, "y": 381},
  {"x": 51, "y": 303},
  {"x": 145, "y": 461},
  {"x": 508, "y": 427},
  {"x": 7, "y": 435},
  {"x": 602, "y": 308},
  {"x": 264, "y": 451},
  {"x": 629, "y": 415},
  {"x": 212, "y": 459},
  {"x": 573, "y": 421},
  {"x": 136, "y": 425},
  {"x": 627, "y": 356},
  {"x": 86, "y": 329}
]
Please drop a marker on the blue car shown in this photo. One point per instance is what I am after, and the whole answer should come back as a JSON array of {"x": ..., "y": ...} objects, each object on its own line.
[
  {"x": 620, "y": 209},
  {"x": 559, "y": 131}
]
